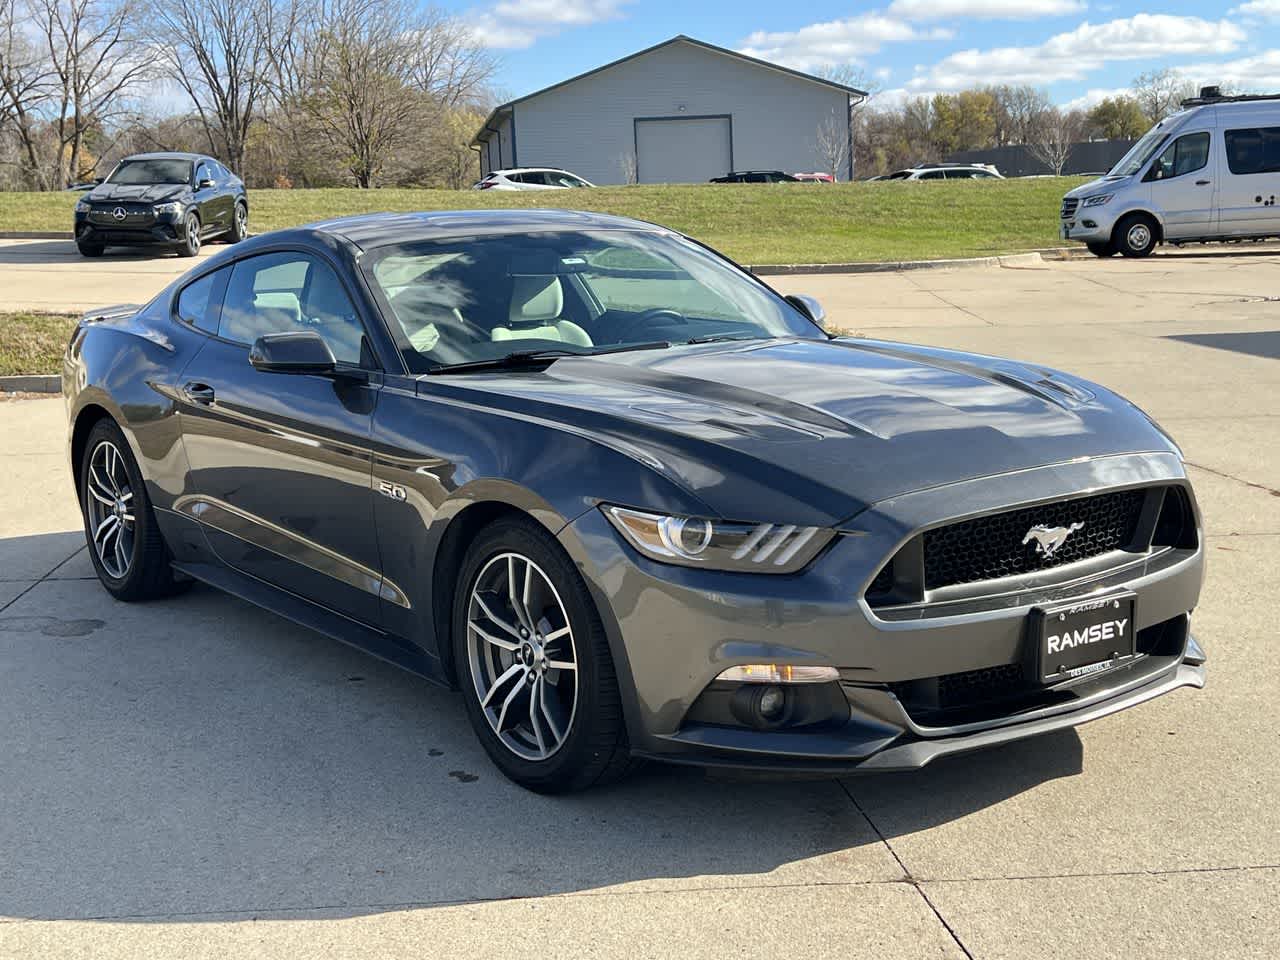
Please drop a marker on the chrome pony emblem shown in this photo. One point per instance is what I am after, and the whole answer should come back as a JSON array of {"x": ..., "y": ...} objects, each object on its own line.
[
  {"x": 119, "y": 213},
  {"x": 1049, "y": 539}
]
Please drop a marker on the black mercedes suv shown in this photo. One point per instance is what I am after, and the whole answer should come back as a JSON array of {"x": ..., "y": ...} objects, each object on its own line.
[{"x": 175, "y": 200}]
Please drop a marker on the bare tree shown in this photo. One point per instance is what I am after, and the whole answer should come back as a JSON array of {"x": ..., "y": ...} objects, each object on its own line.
[
  {"x": 833, "y": 144},
  {"x": 1017, "y": 110},
  {"x": 218, "y": 52},
  {"x": 1160, "y": 92},
  {"x": 628, "y": 167},
  {"x": 94, "y": 60},
  {"x": 449, "y": 65},
  {"x": 25, "y": 87},
  {"x": 1053, "y": 135}
]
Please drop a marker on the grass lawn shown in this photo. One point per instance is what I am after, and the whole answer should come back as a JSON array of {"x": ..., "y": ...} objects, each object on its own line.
[
  {"x": 753, "y": 223},
  {"x": 33, "y": 342}
]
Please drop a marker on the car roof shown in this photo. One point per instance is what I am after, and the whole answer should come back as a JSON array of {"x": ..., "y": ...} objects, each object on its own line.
[
  {"x": 368, "y": 230},
  {"x": 166, "y": 156},
  {"x": 531, "y": 170}
]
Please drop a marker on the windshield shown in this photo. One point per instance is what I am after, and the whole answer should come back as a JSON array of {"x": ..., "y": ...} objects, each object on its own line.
[
  {"x": 1140, "y": 153},
  {"x": 462, "y": 300},
  {"x": 151, "y": 171}
]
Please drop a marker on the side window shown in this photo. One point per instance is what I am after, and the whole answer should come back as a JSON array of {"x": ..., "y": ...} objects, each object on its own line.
[
  {"x": 193, "y": 303},
  {"x": 203, "y": 172},
  {"x": 755, "y": 178},
  {"x": 280, "y": 292},
  {"x": 1253, "y": 151},
  {"x": 934, "y": 175},
  {"x": 1185, "y": 155}
]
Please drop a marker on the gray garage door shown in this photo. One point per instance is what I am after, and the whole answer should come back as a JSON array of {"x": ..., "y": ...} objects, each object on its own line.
[{"x": 687, "y": 150}]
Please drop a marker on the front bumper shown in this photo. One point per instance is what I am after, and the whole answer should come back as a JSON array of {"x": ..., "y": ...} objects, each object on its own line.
[
  {"x": 166, "y": 230},
  {"x": 1088, "y": 225},
  {"x": 673, "y": 630}
]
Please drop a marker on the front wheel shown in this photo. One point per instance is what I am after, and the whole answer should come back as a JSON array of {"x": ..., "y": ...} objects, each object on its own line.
[
  {"x": 1135, "y": 235},
  {"x": 190, "y": 245},
  {"x": 534, "y": 664},
  {"x": 1104, "y": 250}
]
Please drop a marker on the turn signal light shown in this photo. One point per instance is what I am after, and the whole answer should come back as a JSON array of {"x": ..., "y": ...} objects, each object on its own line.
[{"x": 779, "y": 673}]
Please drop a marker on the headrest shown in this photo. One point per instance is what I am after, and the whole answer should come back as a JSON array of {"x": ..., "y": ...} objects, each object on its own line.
[{"x": 536, "y": 299}]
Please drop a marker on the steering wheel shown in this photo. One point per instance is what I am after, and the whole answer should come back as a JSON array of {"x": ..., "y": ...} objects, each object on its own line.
[{"x": 647, "y": 317}]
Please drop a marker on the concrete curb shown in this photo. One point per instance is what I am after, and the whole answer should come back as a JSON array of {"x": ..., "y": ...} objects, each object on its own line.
[
  {"x": 31, "y": 384},
  {"x": 36, "y": 235},
  {"x": 895, "y": 266}
]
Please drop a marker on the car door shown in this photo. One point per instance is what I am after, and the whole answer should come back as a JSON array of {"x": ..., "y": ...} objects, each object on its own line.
[
  {"x": 1249, "y": 195},
  {"x": 208, "y": 199},
  {"x": 280, "y": 462},
  {"x": 1182, "y": 187}
]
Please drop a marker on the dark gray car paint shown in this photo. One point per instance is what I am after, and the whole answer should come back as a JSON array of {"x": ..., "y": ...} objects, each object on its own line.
[{"x": 876, "y": 438}]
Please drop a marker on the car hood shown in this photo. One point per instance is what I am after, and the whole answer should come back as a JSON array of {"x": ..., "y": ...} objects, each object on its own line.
[
  {"x": 815, "y": 431},
  {"x": 1101, "y": 185},
  {"x": 137, "y": 192}
]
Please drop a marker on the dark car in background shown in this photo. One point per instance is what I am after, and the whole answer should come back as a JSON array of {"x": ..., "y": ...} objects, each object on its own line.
[
  {"x": 755, "y": 176},
  {"x": 174, "y": 200},
  {"x": 631, "y": 501}
]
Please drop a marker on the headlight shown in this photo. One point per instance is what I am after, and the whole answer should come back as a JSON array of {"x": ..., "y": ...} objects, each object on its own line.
[
  {"x": 1097, "y": 201},
  {"x": 719, "y": 544},
  {"x": 173, "y": 206},
  {"x": 83, "y": 206}
]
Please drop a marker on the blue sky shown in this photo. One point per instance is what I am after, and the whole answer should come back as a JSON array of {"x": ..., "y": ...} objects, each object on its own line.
[{"x": 1080, "y": 50}]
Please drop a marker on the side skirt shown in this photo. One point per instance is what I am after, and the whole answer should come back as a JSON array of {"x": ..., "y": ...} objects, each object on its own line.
[{"x": 304, "y": 613}]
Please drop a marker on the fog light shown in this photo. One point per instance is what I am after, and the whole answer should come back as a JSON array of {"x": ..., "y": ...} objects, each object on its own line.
[
  {"x": 779, "y": 673},
  {"x": 771, "y": 702}
]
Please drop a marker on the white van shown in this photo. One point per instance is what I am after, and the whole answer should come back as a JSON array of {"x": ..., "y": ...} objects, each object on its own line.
[{"x": 1209, "y": 172}]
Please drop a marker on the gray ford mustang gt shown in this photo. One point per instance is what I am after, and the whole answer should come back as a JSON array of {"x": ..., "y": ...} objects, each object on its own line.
[{"x": 630, "y": 501}]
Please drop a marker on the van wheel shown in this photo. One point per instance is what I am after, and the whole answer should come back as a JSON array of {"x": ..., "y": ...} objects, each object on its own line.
[
  {"x": 1135, "y": 235},
  {"x": 1107, "y": 249}
]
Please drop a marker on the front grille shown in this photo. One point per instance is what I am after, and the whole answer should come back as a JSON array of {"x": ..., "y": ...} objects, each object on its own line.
[
  {"x": 988, "y": 548},
  {"x": 1069, "y": 206},
  {"x": 978, "y": 686},
  {"x": 135, "y": 215}
]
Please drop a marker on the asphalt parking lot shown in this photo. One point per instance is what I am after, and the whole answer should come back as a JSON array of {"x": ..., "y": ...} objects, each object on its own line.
[{"x": 199, "y": 778}]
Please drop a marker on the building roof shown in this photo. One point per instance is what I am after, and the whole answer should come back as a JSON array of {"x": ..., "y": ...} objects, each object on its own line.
[{"x": 502, "y": 108}]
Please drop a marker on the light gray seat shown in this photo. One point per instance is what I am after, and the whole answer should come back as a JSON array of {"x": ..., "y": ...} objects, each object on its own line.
[{"x": 535, "y": 314}]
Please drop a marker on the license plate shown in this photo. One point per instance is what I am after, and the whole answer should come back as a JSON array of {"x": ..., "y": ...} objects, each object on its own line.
[{"x": 1082, "y": 637}]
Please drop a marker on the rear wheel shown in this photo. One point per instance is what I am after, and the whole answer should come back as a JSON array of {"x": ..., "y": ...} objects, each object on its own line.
[
  {"x": 125, "y": 545},
  {"x": 1107, "y": 249},
  {"x": 88, "y": 248},
  {"x": 239, "y": 224},
  {"x": 190, "y": 244},
  {"x": 534, "y": 664},
  {"x": 1135, "y": 235}
]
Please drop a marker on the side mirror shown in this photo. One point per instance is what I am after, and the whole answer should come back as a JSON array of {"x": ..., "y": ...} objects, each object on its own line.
[
  {"x": 293, "y": 352},
  {"x": 809, "y": 306},
  {"x": 205, "y": 183}
]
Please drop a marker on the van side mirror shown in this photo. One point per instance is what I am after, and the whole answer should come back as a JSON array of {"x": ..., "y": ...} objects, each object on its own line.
[
  {"x": 301, "y": 351},
  {"x": 809, "y": 306}
]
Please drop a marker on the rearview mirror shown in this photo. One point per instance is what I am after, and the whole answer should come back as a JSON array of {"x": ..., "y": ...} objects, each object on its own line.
[
  {"x": 302, "y": 351},
  {"x": 809, "y": 306}
]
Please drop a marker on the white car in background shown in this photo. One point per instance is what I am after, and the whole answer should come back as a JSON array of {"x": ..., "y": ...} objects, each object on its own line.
[
  {"x": 946, "y": 171},
  {"x": 531, "y": 178}
]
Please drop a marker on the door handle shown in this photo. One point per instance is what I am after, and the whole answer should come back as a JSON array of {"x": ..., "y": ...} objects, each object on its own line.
[
  {"x": 197, "y": 392},
  {"x": 1202, "y": 183}
]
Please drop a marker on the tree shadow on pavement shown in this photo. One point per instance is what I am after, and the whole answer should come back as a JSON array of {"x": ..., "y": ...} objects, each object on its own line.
[{"x": 198, "y": 757}]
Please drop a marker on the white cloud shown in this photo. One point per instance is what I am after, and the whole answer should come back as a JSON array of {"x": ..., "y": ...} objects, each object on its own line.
[
  {"x": 515, "y": 24},
  {"x": 834, "y": 42},
  {"x": 1260, "y": 73},
  {"x": 1095, "y": 95},
  {"x": 1269, "y": 9},
  {"x": 1078, "y": 53},
  {"x": 987, "y": 9}
]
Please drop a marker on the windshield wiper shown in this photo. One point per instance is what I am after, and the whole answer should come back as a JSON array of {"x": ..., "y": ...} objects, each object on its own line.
[
  {"x": 718, "y": 337},
  {"x": 519, "y": 358}
]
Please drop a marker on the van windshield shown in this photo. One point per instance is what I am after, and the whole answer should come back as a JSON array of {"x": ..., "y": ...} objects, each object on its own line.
[{"x": 1139, "y": 153}]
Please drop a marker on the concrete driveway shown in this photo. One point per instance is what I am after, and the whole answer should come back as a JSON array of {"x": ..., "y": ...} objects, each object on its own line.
[{"x": 198, "y": 778}]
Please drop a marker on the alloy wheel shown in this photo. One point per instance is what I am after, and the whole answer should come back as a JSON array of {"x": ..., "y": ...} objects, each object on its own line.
[
  {"x": 523, "y": 660},
  {"x": 242, "y": 221},
  {"x": 109, "y": 502}
]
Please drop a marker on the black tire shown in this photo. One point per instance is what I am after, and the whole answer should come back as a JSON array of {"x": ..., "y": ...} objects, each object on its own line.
[
  {"x": 189, "y": 246},
  {"x": 88, "y": 249},
  {"x": 1104, "y": 250},
  {"x": 594, "y": 747},
  {"x": 239, "y": 223},
  {"x": 1136, "y": 235},
  {"x": 148, "y": 575}
]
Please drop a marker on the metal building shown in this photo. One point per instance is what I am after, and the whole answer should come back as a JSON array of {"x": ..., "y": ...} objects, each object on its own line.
[{"x": 682, "y": 111}]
